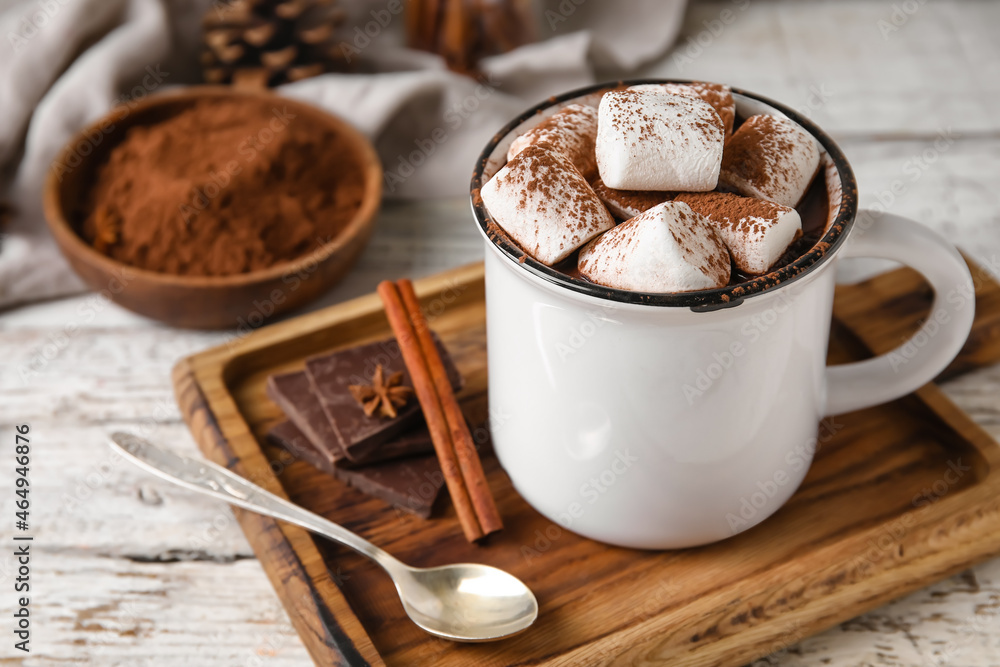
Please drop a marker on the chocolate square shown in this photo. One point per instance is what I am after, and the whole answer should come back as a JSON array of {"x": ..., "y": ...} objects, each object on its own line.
[
  {"x": 411, "y": 484},
  {"x": 288, "y": 436},
  {"x": 332, "y": 374},
  {"x": 294, "y": 395},
  {"x": 412, "y": 443}
]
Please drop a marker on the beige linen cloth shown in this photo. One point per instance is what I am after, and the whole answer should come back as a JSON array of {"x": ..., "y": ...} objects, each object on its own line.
[{"x": 65, "y": 63}]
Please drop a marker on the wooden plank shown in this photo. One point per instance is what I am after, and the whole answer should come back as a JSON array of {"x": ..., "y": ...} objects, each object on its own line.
[{"x": 116, "y": 612}]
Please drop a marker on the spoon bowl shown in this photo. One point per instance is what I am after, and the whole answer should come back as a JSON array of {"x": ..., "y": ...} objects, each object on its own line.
[{"x": 466, "y": 601}]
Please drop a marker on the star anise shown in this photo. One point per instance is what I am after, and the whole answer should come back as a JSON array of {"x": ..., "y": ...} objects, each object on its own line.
[{"x": 384, "y": 395}]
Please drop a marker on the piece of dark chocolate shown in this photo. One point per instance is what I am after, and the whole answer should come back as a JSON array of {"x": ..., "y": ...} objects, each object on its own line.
[
  {"x": 289, "y": 437},
  {"x": 332, "y": 374},
  {"x": 410, "y": 484},
  {"x": 293, "y": 393},
  {"x": 412, "y": 443}
]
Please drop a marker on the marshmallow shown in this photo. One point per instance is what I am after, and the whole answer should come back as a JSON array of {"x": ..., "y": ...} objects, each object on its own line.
[
  {"x": 571, "y": 130},
  {"x": 772, "y": 158},
  {"x": 757, "y": 232},
  {"x": 650, "y": 140},
  {"x": 669, "y": 248},
  {"x": 625, "y": 204},
  {"x": 716, "y": 94},
  {"x": 544, "y": 204}
]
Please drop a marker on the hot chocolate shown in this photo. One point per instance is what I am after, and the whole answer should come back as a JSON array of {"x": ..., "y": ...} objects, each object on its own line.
[{"x": 683, "y": 169}]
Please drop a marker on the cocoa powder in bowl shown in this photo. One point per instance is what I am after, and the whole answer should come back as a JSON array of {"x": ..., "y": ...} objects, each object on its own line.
[{"x": 223, "y": 187}]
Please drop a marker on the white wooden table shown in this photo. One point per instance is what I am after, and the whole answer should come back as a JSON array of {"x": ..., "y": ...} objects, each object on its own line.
[{"x": 128, "y": 571}]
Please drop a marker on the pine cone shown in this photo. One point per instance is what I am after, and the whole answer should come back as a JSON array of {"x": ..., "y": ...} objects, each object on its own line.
[{"x": 270, "y": 42}]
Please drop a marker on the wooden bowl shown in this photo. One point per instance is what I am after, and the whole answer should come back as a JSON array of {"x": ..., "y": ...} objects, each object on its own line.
[{"x": 206, "y": 302}]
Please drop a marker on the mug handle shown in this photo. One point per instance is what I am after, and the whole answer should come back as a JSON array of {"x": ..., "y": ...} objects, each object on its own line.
[{"x": 916, "y": 362}]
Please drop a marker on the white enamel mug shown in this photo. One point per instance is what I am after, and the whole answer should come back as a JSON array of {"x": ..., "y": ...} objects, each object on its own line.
[{"x": 663, "y": 421}]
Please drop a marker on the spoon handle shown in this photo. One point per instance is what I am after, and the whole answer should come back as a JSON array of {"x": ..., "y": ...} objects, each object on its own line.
[{"x": 213, "y": 480}]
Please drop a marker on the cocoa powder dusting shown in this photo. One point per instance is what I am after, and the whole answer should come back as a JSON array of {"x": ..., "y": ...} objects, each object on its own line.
[
  {"x": 691, "y": 235},
  {"x": 571, "y": 131},
  {"x": 752, "y": 152},
  {"x": 629, "y": 203},
  {"x": 741, "y": 214},
  {"x": 222, "y": 188},
  {"x": 551, "y": 176},
  {"x": 721, "y": 99}
]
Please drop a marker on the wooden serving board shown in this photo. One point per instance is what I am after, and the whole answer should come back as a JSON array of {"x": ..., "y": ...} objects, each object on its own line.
[{"x": 899, "y": 496}]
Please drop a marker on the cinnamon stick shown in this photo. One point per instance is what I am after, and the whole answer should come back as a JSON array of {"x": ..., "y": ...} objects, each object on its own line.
[
  {"x": 437, "y": 424},
  {"x": 456, "y": 37},
  {"x": 465, "y": 448},
  {"x": 414, "y": 19},
  {"x": 430, "y": 25}
]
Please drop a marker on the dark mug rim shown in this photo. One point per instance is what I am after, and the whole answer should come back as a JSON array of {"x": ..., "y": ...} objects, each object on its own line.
[{"x": 711, "y": 299}]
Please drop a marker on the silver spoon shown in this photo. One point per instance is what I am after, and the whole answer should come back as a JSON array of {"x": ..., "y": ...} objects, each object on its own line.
[{"x": 465, "y": 602}]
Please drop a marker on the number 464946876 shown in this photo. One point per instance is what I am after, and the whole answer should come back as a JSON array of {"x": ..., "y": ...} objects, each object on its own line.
[{"x": 22, "y": 458}]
